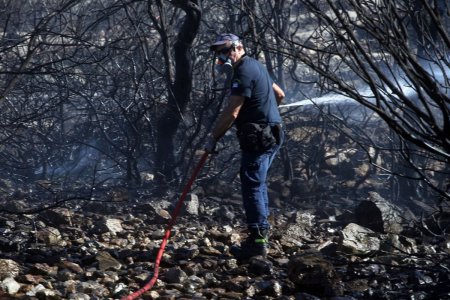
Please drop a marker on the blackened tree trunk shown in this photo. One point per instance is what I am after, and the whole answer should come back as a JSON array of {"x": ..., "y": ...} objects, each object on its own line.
[{"x": 178, "y": 93}]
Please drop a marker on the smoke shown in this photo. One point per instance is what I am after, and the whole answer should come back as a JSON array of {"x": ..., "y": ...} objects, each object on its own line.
[{"x": 81, "y": 161}]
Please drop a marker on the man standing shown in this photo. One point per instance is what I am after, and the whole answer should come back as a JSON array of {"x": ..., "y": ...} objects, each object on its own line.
[{"x": 253, "y": 108}]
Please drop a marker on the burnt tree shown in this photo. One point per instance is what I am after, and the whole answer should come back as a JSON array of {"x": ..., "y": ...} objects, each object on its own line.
[{"x": 179, "y": 89}]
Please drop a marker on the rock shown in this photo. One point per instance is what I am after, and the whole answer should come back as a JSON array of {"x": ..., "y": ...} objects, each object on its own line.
[
  {"x": 397, "y": 243},
  {"x": 35, "y": 290},
  {"x": 358, "y": 240},
  {"x": 313, "y": 274},
  {"x": 30, "y": 278},
  {"x": 198, "y": 281},
  {"x": 7, "y": 245},
  {"x": 47, "y": 294},
  {"x": 269, "y": 288},
  {"x": 107, "y": 262},
  {"x": 260, "y": 266},
  {"x": 93, "y": 288},
  {"x": 10, "y": 286},
  {"x": 66, "y": 275},
  {"x": 304, "y": 219},
  {"x": 41, "y": 255},
  {"x": 197, "y": 263},
  {"x": 121, "y": 287},
  {"x": 237, "y": 284},
  {"x": 158, "y": 211},
  {"x": 15, "y": 206},
  {"x": 8, "y": 268},
  {"x": 175, "y": 275},
  {"x": 49, "y": 235},
  {"x": 79, "y": 296},
  {"x": 187, "y": 253},
  {"x": 56, "y": 217},
  {"x": 306, "y": 296},
  {"x": 162, "y": 216},
  {"x": 74, "y": 267},
  {"x": 301, "y": 229},
  {"x": 378, "y": 214},
  {"x": 357, "y": 285},
  {"x": 191, "y": 204},
  {"x": 109, "y": 225},
  {"x": 43, "y": 269}
]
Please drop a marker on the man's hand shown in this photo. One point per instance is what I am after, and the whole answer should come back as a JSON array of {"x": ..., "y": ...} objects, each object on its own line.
[{"x": 210, "y": 145}]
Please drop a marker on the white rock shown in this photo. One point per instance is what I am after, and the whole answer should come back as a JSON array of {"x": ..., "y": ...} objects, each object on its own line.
[{"x": 10, "y": 286}]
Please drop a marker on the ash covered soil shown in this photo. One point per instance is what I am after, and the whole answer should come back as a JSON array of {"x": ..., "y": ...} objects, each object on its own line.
[{"x": 321, "y": 248}]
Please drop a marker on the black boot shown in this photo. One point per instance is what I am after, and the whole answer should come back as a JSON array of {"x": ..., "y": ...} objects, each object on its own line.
[{"x": 257, "y": 243}]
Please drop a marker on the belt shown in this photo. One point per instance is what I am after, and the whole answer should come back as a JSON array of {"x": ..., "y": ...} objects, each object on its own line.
[{"x": 278, "y": 125}]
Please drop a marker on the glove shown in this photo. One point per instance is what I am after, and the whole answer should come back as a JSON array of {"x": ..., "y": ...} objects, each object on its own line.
[{"x": 210, "y": 145}]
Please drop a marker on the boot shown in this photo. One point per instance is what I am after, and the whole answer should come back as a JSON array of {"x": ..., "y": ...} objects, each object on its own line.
[{"x": 257, "y": 243}]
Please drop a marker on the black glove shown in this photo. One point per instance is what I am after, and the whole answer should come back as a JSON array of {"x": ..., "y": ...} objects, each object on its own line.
[{"x": 210, "y": 145}]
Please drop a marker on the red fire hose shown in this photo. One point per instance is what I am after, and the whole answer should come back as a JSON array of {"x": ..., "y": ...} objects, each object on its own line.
[{"x": 175, "y": 213}]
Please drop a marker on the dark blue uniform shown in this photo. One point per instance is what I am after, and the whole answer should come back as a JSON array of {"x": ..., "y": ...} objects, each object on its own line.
[{"x": 252, "y": 81}]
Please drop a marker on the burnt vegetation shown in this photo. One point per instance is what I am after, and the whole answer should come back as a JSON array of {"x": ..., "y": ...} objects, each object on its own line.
[{"x": 104, "y": 109}]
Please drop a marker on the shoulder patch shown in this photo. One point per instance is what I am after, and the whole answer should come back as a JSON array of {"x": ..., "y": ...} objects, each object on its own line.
[{"x": 235, "y": 84}]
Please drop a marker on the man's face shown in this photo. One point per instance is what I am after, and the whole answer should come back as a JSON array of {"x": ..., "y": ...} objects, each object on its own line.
[{"x": 226, "y": 50}]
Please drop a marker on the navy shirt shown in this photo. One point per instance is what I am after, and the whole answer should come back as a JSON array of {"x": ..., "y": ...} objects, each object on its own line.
[{"x": 252, "y": 81}]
